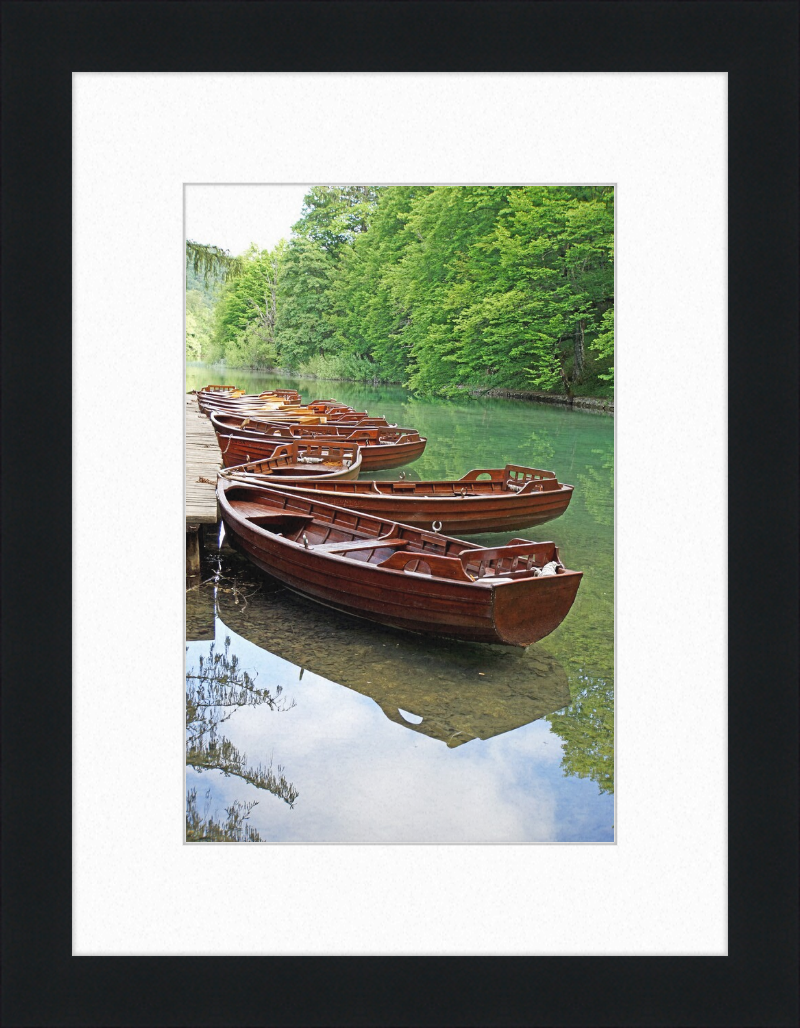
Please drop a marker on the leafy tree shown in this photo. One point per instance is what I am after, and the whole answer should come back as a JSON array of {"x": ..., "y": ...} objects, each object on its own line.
[
  {"x": 332, "y": 216},
  {"x": 211, "y": 262},
  {"x": 247, "y": 311},
  {"x": 604, "y": 343},
  {"x": 369, "y": 317},
  {"x": 544, "y": 278},
  {"x": 431, "y": 279},
  {"x": 199, "y": 326},
  {"x": 303, "y": 324}
]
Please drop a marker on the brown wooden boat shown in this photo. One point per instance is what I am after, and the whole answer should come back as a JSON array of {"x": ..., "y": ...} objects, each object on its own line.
[
  {"x": 261, "y": 406},
  {"x": 218, "y": 393},
  {"x": 360, "y": 418},
  {"x": 335, "y": 410},
  {"x": 486, "y": 500},
  {"x": 285, "y": 414},
  {"x": 381, "y": 447},
  {"x": 238, "y": 450},
  {"x": 219, "y": 389},
  {"x": 302, "y": 414},
  {"x": 289, "y": 394},
  {"x": 398, "y": 575},
  {"x": 213, "y": 401},
  {"x": 222, "y": 391},
  {"x": 296, "y": 463}
]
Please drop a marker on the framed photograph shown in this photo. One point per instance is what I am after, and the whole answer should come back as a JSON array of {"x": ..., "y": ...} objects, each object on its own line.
[{"x": 689, "y": 113}]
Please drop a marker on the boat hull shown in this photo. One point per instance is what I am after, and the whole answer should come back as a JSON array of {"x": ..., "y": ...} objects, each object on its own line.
[
  {"x": 238, "y": 450},
  {"x": 470, "y": 515},
  {"x": 513, "y": 612},
  {"x": 242, "y": 447},
  {"x": 298, "y": 464}
]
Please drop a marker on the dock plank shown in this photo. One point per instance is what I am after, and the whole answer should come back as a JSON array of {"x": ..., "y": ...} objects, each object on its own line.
[{"x": 203, "y": 458}]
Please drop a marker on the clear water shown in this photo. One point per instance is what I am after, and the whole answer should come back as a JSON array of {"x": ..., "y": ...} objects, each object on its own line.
[{"x": 350, "y": 732}]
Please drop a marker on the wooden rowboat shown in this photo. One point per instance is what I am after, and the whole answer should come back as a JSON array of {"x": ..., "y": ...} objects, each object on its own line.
[
  {"x": 297, "y": 463},
  {"x": 218, "y": 389},
  {"x": 212, "y": 401},
  {"x": 261, "y": 407},
  {"x": 381, "y": 447},
  {"x": 398, "y": 575},
  {"x": 301, "y": 414},
  {"x": 489, "y": 500},
  {"x": 289, "y": 394},
  {"x": 253, "y": 451},
  {"x": 224, "y": 390},
  {"x": 218, "y": 394},
  {"x": 284, "y": 414}
]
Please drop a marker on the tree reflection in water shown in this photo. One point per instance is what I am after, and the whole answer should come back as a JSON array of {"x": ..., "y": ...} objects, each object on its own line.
[
  {"x": 214, "y": 691},
  {"x": 587, "y": 728},
  {"x": 203, "y": 827}
]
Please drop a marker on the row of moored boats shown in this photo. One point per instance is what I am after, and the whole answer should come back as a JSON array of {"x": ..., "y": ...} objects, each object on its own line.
[{"x": 292, "y": 501}]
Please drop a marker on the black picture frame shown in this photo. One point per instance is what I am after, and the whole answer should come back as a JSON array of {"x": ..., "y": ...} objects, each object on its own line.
[{"x": 756, "y": 44}]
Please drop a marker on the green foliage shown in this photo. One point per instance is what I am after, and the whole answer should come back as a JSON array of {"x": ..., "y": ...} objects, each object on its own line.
[
  {"x": 542, "y": 279},
  {"x": 203, "y": 287},
  {"x": 246, "y": 314},
  {"x": 332, "y": 216},
  {"x": 211, "y": 262},
  {"x": 199, "y": 326},
  {"x": 370, "y": 317},
  {"x": 604, "y": 343},
  {"x": 347, "y": 367},
  {"x": 440, "y": 288},
  {"x": 304, "y": 325}
]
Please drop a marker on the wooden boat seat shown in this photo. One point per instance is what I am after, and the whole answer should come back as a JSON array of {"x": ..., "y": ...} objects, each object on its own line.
[
  {"x": 438, "y": 565},
  {"x": 362, "y": 544}
]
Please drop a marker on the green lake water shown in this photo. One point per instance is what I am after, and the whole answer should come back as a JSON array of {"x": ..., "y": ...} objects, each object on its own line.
[{"x": 339, "y": 730}]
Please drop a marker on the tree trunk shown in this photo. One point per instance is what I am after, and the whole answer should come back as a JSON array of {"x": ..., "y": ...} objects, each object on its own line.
[
  {"x": 567, "y": 383},
  {"x": 580, "y": 350}
]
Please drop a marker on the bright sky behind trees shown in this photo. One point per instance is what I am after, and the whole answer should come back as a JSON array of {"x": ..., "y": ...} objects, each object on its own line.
[{"x": 234, "y": 216}]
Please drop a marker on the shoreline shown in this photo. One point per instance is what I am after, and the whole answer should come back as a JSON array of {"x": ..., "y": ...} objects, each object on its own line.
[
  {"x": 596, "y": 404},
  {"x": 593, "y": 404}
]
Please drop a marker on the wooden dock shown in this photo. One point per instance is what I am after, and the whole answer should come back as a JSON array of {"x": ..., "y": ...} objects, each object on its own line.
[{"x": 202, "y": 461}]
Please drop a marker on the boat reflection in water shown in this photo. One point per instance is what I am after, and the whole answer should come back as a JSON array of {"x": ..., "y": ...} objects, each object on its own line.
[{"x": 446, "y": 690}]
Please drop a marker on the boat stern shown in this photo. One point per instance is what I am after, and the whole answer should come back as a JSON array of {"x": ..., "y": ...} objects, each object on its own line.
[{"x": 527, "y": 610}]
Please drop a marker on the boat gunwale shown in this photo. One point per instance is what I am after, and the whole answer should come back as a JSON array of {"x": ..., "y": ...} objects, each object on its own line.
[{"x": 465, "y": 546}]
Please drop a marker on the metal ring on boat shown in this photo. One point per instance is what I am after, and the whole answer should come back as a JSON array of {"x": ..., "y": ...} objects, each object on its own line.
[{"x": 437, "y": 526}]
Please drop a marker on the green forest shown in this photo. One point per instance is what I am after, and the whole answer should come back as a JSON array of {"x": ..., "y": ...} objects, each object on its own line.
[{"x": 442, "y": 289}]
